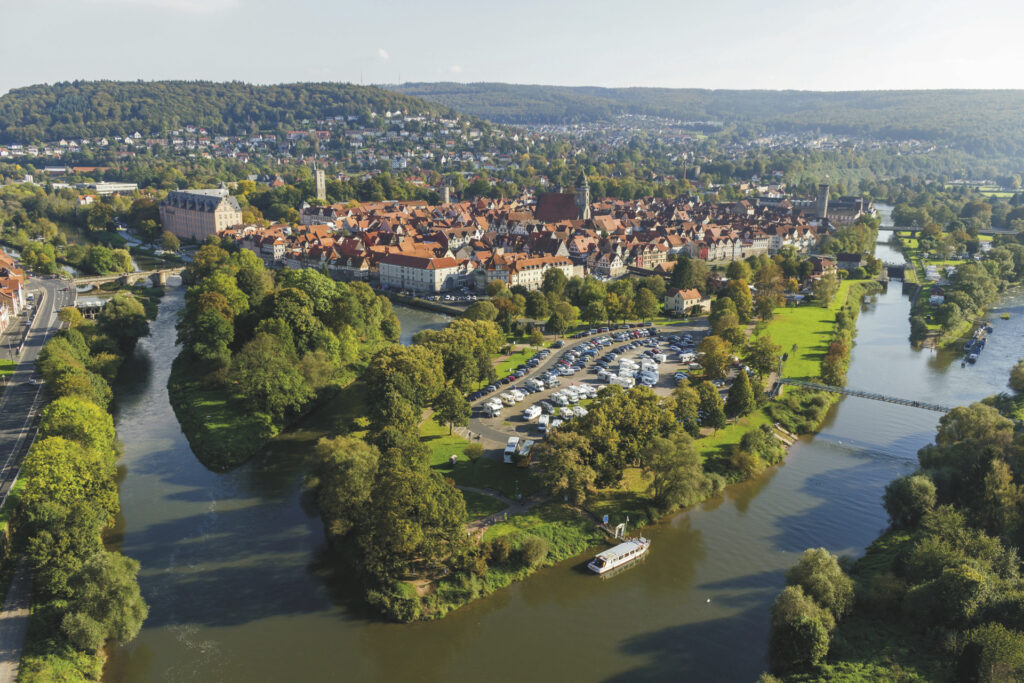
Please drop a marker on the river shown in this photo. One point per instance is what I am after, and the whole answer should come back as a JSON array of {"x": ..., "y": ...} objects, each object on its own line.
[{"x": 232, "y": 564}]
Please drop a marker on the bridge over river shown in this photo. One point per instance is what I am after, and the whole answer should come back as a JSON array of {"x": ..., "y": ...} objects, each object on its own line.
[
  {"x": 867, "y": 394},
  {"x": 158, "y": 277}
]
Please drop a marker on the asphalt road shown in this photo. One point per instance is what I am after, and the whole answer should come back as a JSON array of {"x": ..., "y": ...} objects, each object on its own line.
[
  {"x": 14, "y": 622},
  {"x": 22, "y": 400}
]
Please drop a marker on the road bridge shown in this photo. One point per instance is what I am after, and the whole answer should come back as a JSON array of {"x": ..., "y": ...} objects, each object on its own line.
[
  {"x": 866, "y": 394},
  {"x": 158, "y": 277}
]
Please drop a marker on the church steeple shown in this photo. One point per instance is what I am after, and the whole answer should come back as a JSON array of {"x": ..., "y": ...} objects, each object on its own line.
[{"x": 583, "y": 196}]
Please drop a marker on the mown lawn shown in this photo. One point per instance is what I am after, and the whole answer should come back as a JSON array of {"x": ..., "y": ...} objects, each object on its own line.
[
  {"x": 804, "y": 333},
  {"x": 479, "y": 505},
  {"x": 485, "y": 473},
  {"x": 721, "y": 441},
  {"x": 6, "y": 367},
  {"x": 626, "y": 501}
]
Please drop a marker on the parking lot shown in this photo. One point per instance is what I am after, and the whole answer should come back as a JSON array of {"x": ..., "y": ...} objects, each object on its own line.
[{"x": 577, "y": 365}]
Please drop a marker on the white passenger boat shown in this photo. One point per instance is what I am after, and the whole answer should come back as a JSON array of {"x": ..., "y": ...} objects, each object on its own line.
[{"x": 623, "y": 553}]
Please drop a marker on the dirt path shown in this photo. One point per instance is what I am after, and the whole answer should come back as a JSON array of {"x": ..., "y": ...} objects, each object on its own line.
[
  {"x": 14, "y": 622},
  {"x": 512, "y": 508}
]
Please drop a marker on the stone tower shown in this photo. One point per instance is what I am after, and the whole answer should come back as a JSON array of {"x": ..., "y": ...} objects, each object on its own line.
[
  {"x": 583, "y": 196},
  {"x": 321, "y": 184},
  {"x": 821, "y": 205}
]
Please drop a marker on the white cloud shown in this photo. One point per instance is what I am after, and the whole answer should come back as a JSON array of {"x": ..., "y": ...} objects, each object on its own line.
[
  {"x": 455, "y": 69},
  {"x": 383, "y": 54},
  {"x": 188, "y": 6}
]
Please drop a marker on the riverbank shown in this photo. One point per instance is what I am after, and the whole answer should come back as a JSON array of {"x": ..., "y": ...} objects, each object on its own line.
[
  {"x": 84, "y": 594},
  {"x": 569, "y": 530}
]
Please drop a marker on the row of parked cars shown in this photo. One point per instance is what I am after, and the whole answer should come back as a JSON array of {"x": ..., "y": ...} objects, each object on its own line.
[
  {"x": 627, "y": 327},
  {"x": 521, "y": 370}
]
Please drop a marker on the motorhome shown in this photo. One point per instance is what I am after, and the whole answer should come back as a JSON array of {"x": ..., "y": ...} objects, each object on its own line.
[
  {"x": 542, "y": 423},
  {"x": 511, "y": 447},
  {"x": 531, "y": 413},
  {"x": 492, "y": 409}
]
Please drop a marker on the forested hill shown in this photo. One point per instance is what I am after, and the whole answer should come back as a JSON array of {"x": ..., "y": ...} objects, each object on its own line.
[
  {"x": 981, "y": 121},
  {"x": 102, "y": 108}
]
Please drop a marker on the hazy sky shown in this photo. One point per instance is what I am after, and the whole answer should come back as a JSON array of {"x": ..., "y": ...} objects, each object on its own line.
[{"x": 803, "y": 44}]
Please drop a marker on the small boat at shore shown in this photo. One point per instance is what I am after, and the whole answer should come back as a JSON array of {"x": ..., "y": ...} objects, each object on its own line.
[{"x": 620, "y": 555}]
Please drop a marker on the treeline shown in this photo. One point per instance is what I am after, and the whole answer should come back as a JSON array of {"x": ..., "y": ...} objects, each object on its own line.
[
  {"x": 80, "y": 109},
  {"x": 269, "y": 343},
  {"x": 975, "y": 286},
  {"x": 978, "y": 121},
  {"x": 939, "y": 595},
  {"x": 563, "y": 302},
  {"x": 380, "y": 496},
  {"x": 954, "y": 209},
  {"x": 83, "y": 595},
  {"x": 858, "y": 238},
  {"x": 51, "y": 228}
]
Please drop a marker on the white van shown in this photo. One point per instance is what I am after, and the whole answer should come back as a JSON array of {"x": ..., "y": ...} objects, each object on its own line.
[
  {"x": 531, "y": 413},
  {"x": 579, "y": 411},
  {"x": 625, "y": 382},
  {"x": 511, "y": 447},
  {"x": 559, "y": 399},
  {"x": 517, "y": 395},
  {"x": 508, "y": 399},
  {"x": 492, "y": 409},
  {"x": 542, "y": 423}
]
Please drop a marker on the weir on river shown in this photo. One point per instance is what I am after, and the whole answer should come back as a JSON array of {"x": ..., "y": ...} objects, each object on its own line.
[{"x": 234, "y": 566}]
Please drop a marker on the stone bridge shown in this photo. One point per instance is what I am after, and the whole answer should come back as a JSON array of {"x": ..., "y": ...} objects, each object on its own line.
[{"x": 158, "y": 277}]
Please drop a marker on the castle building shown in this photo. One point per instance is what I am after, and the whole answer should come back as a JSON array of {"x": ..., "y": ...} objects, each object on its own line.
[{"x": 197, "y": 214}]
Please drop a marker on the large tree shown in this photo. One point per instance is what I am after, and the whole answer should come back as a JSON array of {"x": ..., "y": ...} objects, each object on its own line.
[
  {"x": 565, "y": 471},
  {"x": 715, "y": 356},
  {"x": 124, "y": 319},
  {"x": 344, "y": 476},
  {"x": 267, "y": 374},
  {"x": 677, "y": 475},
  {"x": 741, "y": 398},
  {"x": 451, "y": 408},
  {"x": 107, "y": 602}
]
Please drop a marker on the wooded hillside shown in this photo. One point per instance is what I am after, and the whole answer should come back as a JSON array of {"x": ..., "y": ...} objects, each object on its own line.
[{"x": 97, "y": 108}]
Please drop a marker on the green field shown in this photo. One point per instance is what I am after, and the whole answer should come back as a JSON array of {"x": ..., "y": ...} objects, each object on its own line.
[
  {"x": 6, "y": 367},
  {"x": 567, "y": 532},
  {"x": 804, "y": 333},
  {"x": 479, "y": 505},
  {"x": 485, "y": 473}
]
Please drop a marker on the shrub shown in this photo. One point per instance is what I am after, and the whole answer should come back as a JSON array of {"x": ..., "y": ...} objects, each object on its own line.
[
  {"x": 822, "y": 579},
  {"x": 800, "y": 630},
  {"x": 499, "y": 551},
  {"x": 907, "y": 499},
  {"x": 992, "y": 653},
  {"x": 533, "y": 551},
  {"x": 473, "y": 452},
  {"x": 398, "y": 601}
]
